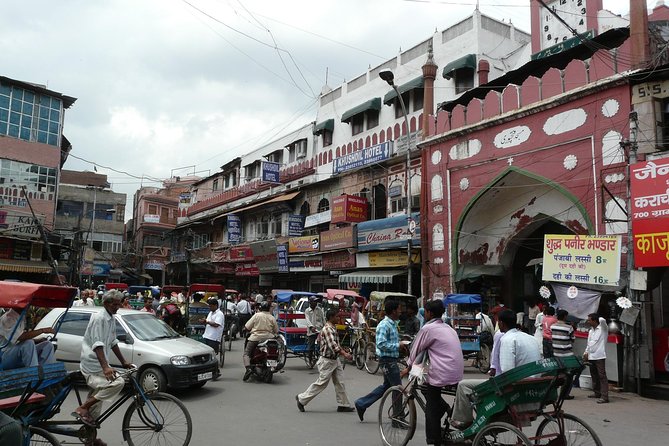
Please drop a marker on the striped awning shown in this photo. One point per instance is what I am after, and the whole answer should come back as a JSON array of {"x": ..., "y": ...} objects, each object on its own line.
[
  {"x": 370, "y": 276},
  {"x": 25, "y": 266}
]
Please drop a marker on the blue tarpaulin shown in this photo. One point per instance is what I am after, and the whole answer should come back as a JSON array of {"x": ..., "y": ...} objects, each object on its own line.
[
  {"x": 287, "y": 296},
  {"x": 462, "y": 299}
]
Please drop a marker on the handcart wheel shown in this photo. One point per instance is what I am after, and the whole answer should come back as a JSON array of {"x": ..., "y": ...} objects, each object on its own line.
[
  {"x": 574, "y": 432},
  {"x": 40, "y": 437},
  {"x": 501, "y": 434},
  {"x": 397, "y": 417}
]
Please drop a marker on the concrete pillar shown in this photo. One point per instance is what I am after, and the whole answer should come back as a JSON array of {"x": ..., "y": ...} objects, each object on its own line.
[
  {"x": 429, "y": 75},
  {"x": 639, "y": 34},
  {"x": 483, "y": 70}
]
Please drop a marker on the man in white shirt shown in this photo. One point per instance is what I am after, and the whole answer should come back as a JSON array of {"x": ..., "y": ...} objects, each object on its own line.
[
  {"x": 214, "y": 325},
  {"x": 516, "y": 348},
  {"x": 595, "y": 354},
  {"x": 315, "y": 323},
  {"x": 98, "y": 343}
]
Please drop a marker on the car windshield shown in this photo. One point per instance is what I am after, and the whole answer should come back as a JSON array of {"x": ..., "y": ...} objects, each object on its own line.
[{"x": 147, "y": 328}]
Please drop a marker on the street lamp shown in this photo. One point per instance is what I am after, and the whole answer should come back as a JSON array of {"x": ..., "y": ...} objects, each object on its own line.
[{"x": 389, "y": 77}]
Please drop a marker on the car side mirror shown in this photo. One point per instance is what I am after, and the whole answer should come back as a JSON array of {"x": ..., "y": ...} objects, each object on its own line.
[{"x": 126, "y": 339}]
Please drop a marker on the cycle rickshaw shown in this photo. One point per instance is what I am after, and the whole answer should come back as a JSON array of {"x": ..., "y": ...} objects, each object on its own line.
[
  {"x": 34, "y": 395},
  {"x": 522, "y": 398},
  {"x": 199, "y": 310},
  {"x": 464, "y": 313},
  {"x": 293, "y": 328}
]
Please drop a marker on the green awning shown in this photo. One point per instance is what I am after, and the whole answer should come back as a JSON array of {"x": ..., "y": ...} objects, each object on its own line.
[
  {"x": 469, "y": 272},
  {"x": 372, "y": 104},
  {"x": 328, "y": 124},
  {"x": 411, "y": 85},
  {"x": 468, "y": 61}
]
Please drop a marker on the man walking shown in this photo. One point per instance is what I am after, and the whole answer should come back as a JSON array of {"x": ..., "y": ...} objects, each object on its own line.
[
  {"x": 546, "y": 323},
  {"x": 595, "y": 353},
  {"x": 562, "y": 335},
  {"x": 329, "y": 366},
  {"x": 98, "y": 343},
  {"x": 388, "y": 352}
]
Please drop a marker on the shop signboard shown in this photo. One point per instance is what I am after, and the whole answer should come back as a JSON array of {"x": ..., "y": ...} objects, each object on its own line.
[
  {"x": 335, "y": 261},
  {"x": 150, "y": 218},
  {"x": 95, "y": 269},
  {"x": 234, "y": 229},
  {"x": 386, "y": 259},
  {"x": 317, "y": 219},
  {"x": 349, "y": 209},
  {"x": 154, "y": 265},
  {"x": 247, "y": 269},
  {"x": 295, "y": 225},
  {"x": 270, "y": 172},
  {"x": 650, "y": 212},
  {"x": 20, "y": 225},
  {"x": 241, "y": 253},
  {"x": 265, "y": 255},
  {"x": 387, "y": 233},
  {"x": 364, "y": 157},
  {"x": 282, "y": 258},
  {"x": 308, "y": 243},
  {"x": 220, "y": 255},
  {"x": 581, "y": 259},
  {"x": 338, "y": 238},
  {"x": 305, "y": 264},
  {"x": 224, "y": 268}
]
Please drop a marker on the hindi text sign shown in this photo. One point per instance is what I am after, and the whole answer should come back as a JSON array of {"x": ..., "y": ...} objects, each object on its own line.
[{"x": 581, "y": 259}]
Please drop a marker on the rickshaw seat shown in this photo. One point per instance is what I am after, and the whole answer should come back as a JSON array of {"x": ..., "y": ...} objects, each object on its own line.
[
  {"x": 293, "y": 330},
  {"x": 13, "y": 401}
]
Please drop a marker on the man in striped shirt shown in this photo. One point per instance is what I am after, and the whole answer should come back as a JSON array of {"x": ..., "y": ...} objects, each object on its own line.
[{"x": 562, "y": 334}]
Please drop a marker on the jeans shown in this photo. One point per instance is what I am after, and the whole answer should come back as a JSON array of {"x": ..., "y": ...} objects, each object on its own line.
[
  {"x": 391, "y": 377},
  {"x": 548, "y": 348},
  {"x": 27, "y": 354},
  {"x": 435, "y": 409}
]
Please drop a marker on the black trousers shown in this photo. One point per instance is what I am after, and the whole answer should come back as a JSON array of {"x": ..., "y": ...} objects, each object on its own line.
[{"x": 435, "y": 410}]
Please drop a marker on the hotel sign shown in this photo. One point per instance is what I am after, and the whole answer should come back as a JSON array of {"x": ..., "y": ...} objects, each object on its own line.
[{"x": 363, "y": 157}]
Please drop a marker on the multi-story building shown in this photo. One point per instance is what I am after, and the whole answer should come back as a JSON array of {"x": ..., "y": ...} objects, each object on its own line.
[
  {"x": 155, "y": 213},
  {"x": 347, "y": 167},
  {"x": 32, "y": 152},
  {"x": 89, "y": 218}
]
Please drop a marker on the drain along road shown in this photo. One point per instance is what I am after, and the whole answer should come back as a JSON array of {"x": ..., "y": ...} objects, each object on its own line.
[{"x": 229, "y": 411}]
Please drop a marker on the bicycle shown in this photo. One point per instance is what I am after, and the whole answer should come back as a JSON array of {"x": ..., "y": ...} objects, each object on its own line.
[
  {"x": 355, "y": 337},
  {"x": 151, "y": 418}
]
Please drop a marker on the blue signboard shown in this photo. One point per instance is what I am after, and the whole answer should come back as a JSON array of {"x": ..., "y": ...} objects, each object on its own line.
[
  {"x": 270, "y": 172},
  {"x": 364, "y": 157},
  {"x": 295, "y": 225},
  {"x": 234, "y": 229},
  {"x": 387, "y": 233},
  {"x": 282, "y": 257}
]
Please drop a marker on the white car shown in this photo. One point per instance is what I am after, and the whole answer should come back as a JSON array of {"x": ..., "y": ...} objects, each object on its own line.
[{"x": 165, "y": 358}]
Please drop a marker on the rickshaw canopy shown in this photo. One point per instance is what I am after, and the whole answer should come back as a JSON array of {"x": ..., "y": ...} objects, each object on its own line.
[
  {"x": 116, "y": 286},
  {"x": 380, "y": 296},
  {"x": 207, "y": 288},
  {"x": 285, "y": 296},
  {"x": 141, "y": 289},
  {"x": 19, "y": 295},
  {"x": 462, "y": 299}
]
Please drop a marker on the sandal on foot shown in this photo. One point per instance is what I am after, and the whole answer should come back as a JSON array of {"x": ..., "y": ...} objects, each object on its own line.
[{"x": 84, "y": 418}]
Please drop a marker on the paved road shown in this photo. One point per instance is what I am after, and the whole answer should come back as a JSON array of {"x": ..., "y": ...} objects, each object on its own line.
[{"x": 230, "y": 411}]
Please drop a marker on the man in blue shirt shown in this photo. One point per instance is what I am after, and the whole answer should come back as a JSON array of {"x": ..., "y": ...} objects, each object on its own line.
[{"x": 388, "y": 351}]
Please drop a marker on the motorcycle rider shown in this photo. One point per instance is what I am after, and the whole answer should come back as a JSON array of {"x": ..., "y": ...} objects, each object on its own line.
[
  {"x": 315, "y": 323},
  {"x": 262, "y": 326}
]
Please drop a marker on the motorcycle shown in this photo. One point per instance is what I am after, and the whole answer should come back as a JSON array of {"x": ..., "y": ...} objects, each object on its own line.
[{"x": 268, "y": 358}]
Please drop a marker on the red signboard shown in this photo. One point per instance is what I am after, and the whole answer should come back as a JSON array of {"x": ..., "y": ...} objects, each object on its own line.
[
  {"x": 337, "y": 238},
  {"x": 649, "y": 181},
  {"x": 334, "y": 261},
  {"x": 240, "y": 254},
  {"x": 349, "y": 209},
  {"x": 246, "y": 269}
]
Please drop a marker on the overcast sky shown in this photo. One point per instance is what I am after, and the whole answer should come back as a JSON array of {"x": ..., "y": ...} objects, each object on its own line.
[{"x": 165, "y": 84}]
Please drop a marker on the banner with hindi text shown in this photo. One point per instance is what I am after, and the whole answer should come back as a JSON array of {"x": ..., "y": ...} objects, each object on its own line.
[{"x": 581, "y": 259}]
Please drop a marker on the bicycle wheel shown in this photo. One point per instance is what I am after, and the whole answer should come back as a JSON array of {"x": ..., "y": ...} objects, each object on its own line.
[
  {"x": 483, "y": 358},
  {"x": 371, "y": 361},
  {"x": 41, "y": 437},
  {"x": 575, "y": 432},
  {"x": 230, "y": 339},
  {"x": 163, "y": 420},
  {"x": 221, "y": 352},
  {"x": 397, "y": 417},
  {"x": 359, "y": 354},
  {"x": 501, "y": 434}
]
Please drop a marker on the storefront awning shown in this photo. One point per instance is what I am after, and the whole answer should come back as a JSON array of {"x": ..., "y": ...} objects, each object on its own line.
[
  {"x": 372, "y": 104},
  {"x": 328, "y": 124},
  {"x": 370, "y": 276},
  {"x": 411, "y": 85},
  {"x": 25, "y": 266},
  {"x": 473, "y": 271},
  {"x": 279, "y": 199},
  {"x": 468, "y": 61}
]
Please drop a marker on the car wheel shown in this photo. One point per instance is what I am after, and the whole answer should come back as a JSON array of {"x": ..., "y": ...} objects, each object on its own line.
[{"x": 152, "y": 379}]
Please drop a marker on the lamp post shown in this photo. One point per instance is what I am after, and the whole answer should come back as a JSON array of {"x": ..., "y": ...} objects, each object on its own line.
[{"x": 389, "y": 77}]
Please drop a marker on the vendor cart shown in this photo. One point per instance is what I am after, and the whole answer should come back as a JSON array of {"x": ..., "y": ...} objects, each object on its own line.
[{"x": 463, "y": 313}]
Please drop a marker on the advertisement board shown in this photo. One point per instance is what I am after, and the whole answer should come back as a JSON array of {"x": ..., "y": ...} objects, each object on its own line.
[
  {"x": 349, "y": 209},
  {"x": 362, "y": 158},
  {"x": 20, "y": 225},
  {"x": 335, "y": 261},
  {"x": 150, "y": 218},
  {"x": 305, "y": 264},
  {"x": 247, "y": 269},
  {"x": 307, "y": 243},
  {"x": 234, "y": 229},
  {"x": 241, "y": 253},
  {"x": 581, "y": 259},
  {"x": 650, "y": 212},
  {"x": 338, "y": 238},
  {"x": 387, "y": 233},
  {"x": 264, "y": 253}
]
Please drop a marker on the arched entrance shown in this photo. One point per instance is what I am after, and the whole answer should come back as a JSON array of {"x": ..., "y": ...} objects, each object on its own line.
[{"x": 501, "y": 230}]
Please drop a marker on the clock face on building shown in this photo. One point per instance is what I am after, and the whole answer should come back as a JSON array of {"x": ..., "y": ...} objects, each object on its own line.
[{"x": 571, "y": 11}]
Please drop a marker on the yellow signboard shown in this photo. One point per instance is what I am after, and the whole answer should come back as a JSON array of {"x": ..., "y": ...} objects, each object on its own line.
[
  {"x": 582, "y": 259},
  {"x": 383, "y": 259}
]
